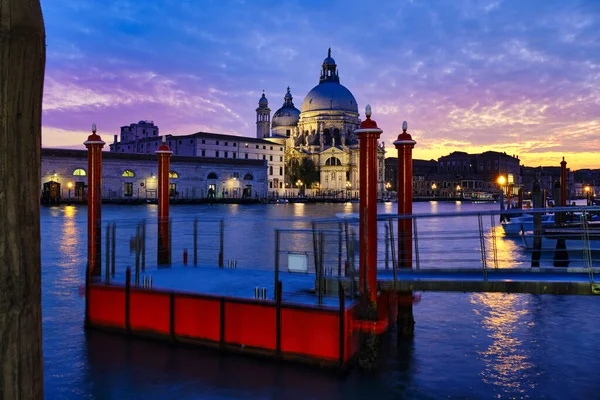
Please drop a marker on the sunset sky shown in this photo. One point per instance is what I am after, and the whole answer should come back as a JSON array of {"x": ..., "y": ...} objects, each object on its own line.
[{"x": 521, "y": 76}]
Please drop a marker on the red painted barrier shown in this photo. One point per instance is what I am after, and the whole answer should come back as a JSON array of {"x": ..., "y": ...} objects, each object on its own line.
[
  {"x": 198, "y": 318},
  {"x": 150, "y": 311},
  {"x": 251, "y": 325},
  {"x": 107, "y": 306},
  {"x": 311, "y": 333}
]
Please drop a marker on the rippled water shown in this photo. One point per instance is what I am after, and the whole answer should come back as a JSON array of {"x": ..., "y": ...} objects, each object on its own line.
[{"x": 465, "y": 346}]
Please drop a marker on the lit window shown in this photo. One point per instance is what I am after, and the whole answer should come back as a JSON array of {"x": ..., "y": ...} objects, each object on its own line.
[
  {"x": 173, "y": 175},
  {"x": 128, "y": 173},
  {"x": 79, "y": 172}
]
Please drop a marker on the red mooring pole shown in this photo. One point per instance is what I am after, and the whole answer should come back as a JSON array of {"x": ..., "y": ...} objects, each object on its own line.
[
  {"x": 164, "y": 166},
  {"x": 368, "y": 133},
  {"x": 404, "y": 144},
  {"x": 563, "y": 183},
  {"x": 94, "y": 145}
]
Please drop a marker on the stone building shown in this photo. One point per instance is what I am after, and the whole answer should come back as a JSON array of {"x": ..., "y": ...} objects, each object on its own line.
[
  {"x": 323, "y": 130},
  {"x": 134, "y": 176}
]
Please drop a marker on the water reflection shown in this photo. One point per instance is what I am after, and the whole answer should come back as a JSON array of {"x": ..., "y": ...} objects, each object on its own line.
[{"x": 506, "y": 358}]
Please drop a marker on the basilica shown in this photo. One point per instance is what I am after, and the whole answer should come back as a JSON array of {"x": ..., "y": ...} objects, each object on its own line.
[{"x": 323, "y": 130}]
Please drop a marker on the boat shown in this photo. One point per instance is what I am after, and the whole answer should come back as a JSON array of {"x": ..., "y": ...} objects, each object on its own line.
[
  {"x": 576, "y": 239},
  {"x": 524, "y": 223}
]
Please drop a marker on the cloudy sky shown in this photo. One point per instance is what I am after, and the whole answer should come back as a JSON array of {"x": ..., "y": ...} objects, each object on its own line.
[{"x": 521, "y": 76}]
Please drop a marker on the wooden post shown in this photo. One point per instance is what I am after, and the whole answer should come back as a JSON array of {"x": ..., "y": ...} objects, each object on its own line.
[
  {"x": 22, "y": 60},
  {"x": 537, "y": 224}
]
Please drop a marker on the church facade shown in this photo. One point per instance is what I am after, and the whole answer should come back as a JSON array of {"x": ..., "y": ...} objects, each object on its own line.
[{"x": 323, "y": 131}]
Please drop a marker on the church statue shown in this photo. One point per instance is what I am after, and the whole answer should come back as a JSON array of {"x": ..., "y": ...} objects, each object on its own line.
[{"x": 333, "y": 141}]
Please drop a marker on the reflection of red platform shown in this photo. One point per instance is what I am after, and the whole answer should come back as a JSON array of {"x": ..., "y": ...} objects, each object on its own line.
[{"x": 325, "y": 334}]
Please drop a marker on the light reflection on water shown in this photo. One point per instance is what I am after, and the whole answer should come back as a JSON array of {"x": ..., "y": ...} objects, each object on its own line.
[
  {"x": 506, "y": 359},
  {"x": 465, "y": 345}
]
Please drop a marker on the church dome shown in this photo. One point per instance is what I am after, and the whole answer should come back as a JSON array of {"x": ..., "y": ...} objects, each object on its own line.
[
  {"x": 287, "y": 115},
  {"x": 263, "y": 102},
  {"x": 329, "y": 95}
]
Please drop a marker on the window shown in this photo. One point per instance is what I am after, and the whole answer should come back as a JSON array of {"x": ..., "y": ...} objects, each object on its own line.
[
  {"x": 173, "y": 175},
  {"x": 180, "y": 141},
  {"x": 257, "y": 146},
  {"x": 270, "y": 184},
  {"x": 128, "y": 189},
  {"x": 264, "y": 157},
  {"x": 191, "y": 140},
  {"x": 235, "y": 145},
  {"x": 271, "y": 170},
  {"x": 270, "y": 158},
  {"x": 234, "y": 155},
  {"x": 128, "y": 173},
  {"x": 264, "y": 147},
  {"x": 287, "y": 132},
  {"x": 217, "y": 142},
  {"x": 280, "y": 170},
  {"x": 281, "y": 149},
  {"x": 246, "y": 156},
  {"x": 333, "y": 161},
  {"x": 271, "y": 147},
  {"x": 281, "y": 158},
  {"x": 212, "y": 175},
  {"x": 226, "y": 153},
  {"x": 203, "y": 141},
  {"x": 248, "y": 177},
  {"x": 79, "y": 172},
  {"x": 226, "y": 143},
  {"x": 217, "y": 153},
  {"x": 172, "y": 190},
  {"x": 280, "y": 185},
  {"x": 236, "y": 174},
  {"x": 203, "y": 153}
]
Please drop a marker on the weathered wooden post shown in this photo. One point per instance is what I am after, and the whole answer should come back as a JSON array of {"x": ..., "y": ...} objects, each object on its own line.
[
  {"x": 164, "y": 166},
  {"x": 404, "y": 144},
  {"x": 368, "y": 134},
  {"x": 94, "y": 145},
  {"x": 22, "y": 60}
]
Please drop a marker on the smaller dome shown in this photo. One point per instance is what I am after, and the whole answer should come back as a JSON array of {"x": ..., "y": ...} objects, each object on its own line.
[
  {"x": 287, "y": 115},
  {"x": 329, "y": 60},
  {"x": 263, "y": 102}
]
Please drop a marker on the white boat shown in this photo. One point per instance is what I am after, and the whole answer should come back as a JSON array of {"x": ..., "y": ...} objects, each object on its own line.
[
  {"x": 517, "y": 225},
  {"x": 577, "y": 244}
]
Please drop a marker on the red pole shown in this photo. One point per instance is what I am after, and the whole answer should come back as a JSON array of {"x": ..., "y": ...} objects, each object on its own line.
[
  {"x": 94, "y": 145},
  {"x": 368, "y": 133},
  {"x": 404, "y": 144},
  {"x": 164, "y": 167},
  {"x": 563, "y": 183}
]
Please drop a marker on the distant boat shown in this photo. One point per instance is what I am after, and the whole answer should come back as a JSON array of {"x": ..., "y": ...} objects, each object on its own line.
[{"x": 516, "y": 225}]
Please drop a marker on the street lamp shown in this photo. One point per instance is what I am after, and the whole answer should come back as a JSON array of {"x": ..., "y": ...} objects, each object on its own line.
[
  {"x": 588, "y": 195},
  {"x": 502, "y": 182},
  {"x": 458, "y": 191},
  {"x": 69, "y": 185},
  {"x": 433, "y": 188}
]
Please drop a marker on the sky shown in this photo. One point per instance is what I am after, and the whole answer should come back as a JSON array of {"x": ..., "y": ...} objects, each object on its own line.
[{"x": 516, "y": 76}]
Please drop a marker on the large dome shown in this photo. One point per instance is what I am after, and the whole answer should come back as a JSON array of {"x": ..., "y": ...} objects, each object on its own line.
[{"x": 329, "y": 95}]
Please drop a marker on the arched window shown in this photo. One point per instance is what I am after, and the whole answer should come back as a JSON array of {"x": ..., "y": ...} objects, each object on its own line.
[
  {"x": 212, "y": 175},
  {"x": 173, "y": 175},
  {"x": 271, "y": 170},
  {"x": 248, "y": 177},
  {"x": 333, "y": 161},
  {"x": 79, "y": 172},
  {"x": 128, "y": 173}
]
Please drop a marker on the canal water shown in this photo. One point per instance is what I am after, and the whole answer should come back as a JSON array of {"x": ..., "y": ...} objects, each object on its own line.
[{"x": 466, "y": 346}]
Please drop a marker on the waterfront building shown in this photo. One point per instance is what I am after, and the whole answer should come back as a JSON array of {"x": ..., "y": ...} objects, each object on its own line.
[
  {"x": 323, "y": 131},
  {"x": 134, "y": 176}
]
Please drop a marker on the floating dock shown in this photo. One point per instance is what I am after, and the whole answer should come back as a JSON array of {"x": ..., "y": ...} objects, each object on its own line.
[{"x": 217, "y": 307}]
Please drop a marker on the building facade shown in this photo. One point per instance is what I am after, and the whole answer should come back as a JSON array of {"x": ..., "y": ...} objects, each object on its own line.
[{"x": 134, "y": 176}]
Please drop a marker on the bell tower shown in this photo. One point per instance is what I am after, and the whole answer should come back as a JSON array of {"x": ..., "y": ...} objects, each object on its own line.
[{"x": 263, "y": 118}]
